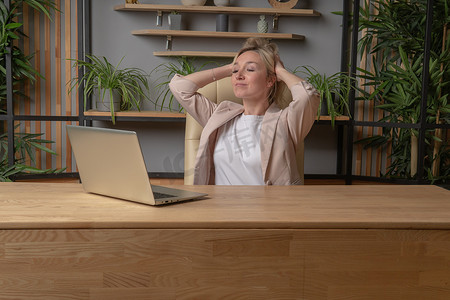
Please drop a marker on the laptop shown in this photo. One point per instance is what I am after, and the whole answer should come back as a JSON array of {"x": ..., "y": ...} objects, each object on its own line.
[{"x": 110, "y": 163}]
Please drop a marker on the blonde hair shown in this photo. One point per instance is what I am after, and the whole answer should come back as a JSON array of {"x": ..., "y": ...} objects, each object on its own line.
[{"x": 268, "y": 52}]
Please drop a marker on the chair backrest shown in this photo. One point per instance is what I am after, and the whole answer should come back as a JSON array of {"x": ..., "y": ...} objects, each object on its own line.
[{"x": 217, "y": 92}]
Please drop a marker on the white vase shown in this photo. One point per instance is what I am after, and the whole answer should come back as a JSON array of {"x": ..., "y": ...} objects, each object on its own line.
[
  {"x": 193, "y": 2},
  {"x": 222, "y": 2}
]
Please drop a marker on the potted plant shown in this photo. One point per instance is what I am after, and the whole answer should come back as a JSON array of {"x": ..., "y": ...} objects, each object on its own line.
[
  {"x": 394, "y": 37},
  {"x": 107, "y": 82},
  {"x": 25, "y": 148},
  {"x": 334, "y": 91},
  {"x": 174, "y": 20},
  {"x": 25, "y": 144}
]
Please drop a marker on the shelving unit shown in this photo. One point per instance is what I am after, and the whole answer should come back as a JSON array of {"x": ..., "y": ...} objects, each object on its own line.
[
  {"x": 218, "y": 9},
  {"x": 230, "y": 10},
  {"x": 275, "y": 14}
]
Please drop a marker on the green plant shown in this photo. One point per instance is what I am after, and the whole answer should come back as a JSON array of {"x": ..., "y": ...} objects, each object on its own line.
[
  {"x": 183, "y": 66},
  {"x": 25, "y": 144},
  {"x": 101, "y": 75},
  {"x": 22, "y": 70},
  {"x": 334, "y": 91},
  {"x": 394, "y": 37}
]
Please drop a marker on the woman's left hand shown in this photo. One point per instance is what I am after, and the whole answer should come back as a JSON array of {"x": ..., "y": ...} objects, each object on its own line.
[
  {"x": 284, "y": 75},
  {"x": 279, "y": 67}
]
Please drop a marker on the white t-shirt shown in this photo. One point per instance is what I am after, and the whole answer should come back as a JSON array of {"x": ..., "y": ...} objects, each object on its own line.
[{"x": 237, "y": 155}]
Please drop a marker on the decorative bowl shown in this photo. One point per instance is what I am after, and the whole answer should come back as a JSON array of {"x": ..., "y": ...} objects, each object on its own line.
[{"x": 222, "y": 2}]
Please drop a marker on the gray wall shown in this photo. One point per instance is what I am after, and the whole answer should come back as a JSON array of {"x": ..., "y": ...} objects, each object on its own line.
[{"x": 163, "y": 143}]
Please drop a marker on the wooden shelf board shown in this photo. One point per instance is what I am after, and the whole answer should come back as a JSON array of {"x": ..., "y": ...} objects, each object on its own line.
[
  {"x": 167, "y": 114},
  {"x": 218, "y": 9},
  {"x": 338, "y": 118},
  {"x": 195, "y": 53},
  {"x": 136, "y": 114},
  {"x": 216, "y": 34}
]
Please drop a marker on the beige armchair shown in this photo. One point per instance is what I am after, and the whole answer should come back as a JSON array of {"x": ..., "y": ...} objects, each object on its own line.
[{"x": 217, "y": 92}]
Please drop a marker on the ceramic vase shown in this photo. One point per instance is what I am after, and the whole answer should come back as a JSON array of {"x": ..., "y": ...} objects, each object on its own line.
[
  {"x": 262, "y": 25},
  {"x": 222, "y": 22}
]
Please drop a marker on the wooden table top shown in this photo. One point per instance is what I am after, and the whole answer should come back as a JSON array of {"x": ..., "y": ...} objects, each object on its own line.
[{"x": 66, "y": 205}]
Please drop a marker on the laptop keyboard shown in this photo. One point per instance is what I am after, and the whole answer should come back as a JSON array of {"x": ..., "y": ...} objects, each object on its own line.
[{"x": 161, "y": 195}]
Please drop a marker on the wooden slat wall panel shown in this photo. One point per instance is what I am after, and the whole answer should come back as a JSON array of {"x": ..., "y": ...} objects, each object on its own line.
[
  {"x": 26, "y": 50},
  {"x": 369, "y": 162},
  {"x": 67, "y": 69},
  {"x": 51, "y": 42},
  {"x": 37, "y": 86},
  {"x": 48, "y": 95},
  {"x": 359, "y": 116},
  {"x": 57, "y": 82},
  {"x": 16, "y": 98}
]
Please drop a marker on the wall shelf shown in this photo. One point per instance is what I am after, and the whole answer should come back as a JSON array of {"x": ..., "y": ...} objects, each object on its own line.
[
  {"x": 217, "y": 9},
  {"x": 155, "y": 116},
  {"x": 216, "y": 34},
  {"x": 169, "y": 34},
  {"x": 163, "y": 116},
  {"x": 195, "y": 53},
  {"x": 230, "y": 10}
]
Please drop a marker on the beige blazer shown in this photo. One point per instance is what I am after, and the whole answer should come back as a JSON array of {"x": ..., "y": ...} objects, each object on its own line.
[{"x": 281, "y": 130}]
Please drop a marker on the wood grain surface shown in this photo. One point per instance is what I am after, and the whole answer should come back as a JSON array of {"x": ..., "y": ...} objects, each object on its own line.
[
  {"x": 66, "y": 205},
  {"x": 232, "y": 10},
  {"x": 328, "y": 242},
  {"x": 224, "y": 264}
]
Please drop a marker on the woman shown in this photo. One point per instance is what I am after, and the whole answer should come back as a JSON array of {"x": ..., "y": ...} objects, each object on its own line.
[{"x": 254, "y": 143}]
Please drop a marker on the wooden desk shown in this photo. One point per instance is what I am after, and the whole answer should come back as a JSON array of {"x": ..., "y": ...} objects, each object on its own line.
[{"x": 303, "y": 242}]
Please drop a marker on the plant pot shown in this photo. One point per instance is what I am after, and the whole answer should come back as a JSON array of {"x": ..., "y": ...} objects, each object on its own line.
[
  {"x": 105, "y": 103},
  {"x": 193, "y": 2},
  {"x": 174, "y": 22},
  {"x": 324, "y": 106}
]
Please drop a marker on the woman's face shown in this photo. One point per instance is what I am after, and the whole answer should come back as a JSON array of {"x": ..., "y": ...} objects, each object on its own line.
[{"x": 249, "y": 77}]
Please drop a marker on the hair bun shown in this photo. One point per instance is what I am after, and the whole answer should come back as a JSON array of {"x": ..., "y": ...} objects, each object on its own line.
[{"x": 260, "y": 43}]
